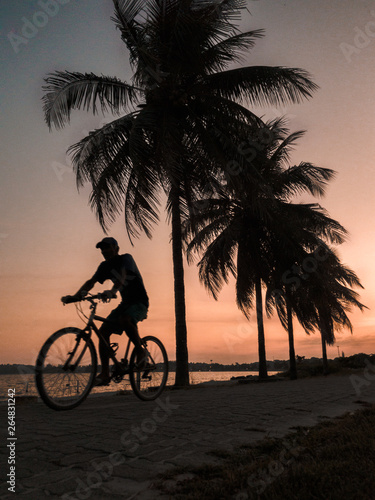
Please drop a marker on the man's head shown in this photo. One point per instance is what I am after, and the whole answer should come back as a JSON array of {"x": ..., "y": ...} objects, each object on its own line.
[{"x": 109, "y": 248}]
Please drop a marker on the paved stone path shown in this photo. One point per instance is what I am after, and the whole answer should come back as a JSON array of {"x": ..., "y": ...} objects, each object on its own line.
[{"x": 114, "y": 446}]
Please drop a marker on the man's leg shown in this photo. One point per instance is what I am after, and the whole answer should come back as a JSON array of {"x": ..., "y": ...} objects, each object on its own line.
[
  {"x": 105, "y": 333},
  {"x": 131, "y": 331}
]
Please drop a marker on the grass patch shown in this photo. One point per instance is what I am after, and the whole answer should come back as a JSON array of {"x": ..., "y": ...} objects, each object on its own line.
[
  {"x": 333, "y": 460},
  {"x": 340, "y": 365},
  {"x": 307, "y": 369}
]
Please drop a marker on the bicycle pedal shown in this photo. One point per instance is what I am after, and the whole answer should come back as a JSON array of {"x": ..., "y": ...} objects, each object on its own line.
[{"x": 124, "y": 369}]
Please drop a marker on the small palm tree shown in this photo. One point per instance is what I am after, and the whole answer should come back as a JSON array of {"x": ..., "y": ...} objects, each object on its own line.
[
  {"x": 255, "y": 224},
  {"x": 323, "y": 301},
  {"x": 310, "y": 230},
  {"x": 172, "y": 120}
]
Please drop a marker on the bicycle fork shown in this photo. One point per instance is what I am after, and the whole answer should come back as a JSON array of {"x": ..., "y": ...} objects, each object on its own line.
[{"x": 67, "y": 366}]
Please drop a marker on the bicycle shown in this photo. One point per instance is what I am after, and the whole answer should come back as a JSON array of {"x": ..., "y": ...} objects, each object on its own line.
[{"x": 67, "y": 362}]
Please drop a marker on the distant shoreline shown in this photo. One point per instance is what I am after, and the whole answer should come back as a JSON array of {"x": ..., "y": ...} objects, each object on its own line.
[
  {"x": 354, "y": 361},
  {"x": 275, "y": 365},
  {"x": 15, "y": 369}
]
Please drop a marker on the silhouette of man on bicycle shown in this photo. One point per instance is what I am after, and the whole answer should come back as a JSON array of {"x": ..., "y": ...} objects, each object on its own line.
[{"x": 126, "y": 278}]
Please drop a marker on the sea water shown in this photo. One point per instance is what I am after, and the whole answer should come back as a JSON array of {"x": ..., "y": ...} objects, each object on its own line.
[{"x": 24, "y": 384}]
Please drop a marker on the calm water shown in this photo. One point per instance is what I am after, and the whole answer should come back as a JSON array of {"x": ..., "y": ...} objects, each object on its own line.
[{"x": 24, "y": 383}]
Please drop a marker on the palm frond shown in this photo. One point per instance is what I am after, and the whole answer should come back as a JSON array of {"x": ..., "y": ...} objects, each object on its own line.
[
  {"x": 220, "y": 16},
  {"x": 65, "y": 91},
  {"x": 282, "y": 152},
  {"x": 141, "y": 202},
  {"x": 125, "y": 19},
  {"x": 119, "y": 175},
  {"x": 108, "y": 145},
  {"x": 263, "y": 85},
  {"x": 217, "y": 262},
  {"x": 230, "y": 50},
  {"x": 275, "y": 299},
  {"x": 206, "y": 235},
  {"x": 245, "y": 282},
  {"x": 304, "y": 177},
  {"x": 310, "y": 225}
]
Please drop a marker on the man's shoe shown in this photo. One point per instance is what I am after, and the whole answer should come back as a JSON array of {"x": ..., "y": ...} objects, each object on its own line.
[{"x": 100, "y": 381}]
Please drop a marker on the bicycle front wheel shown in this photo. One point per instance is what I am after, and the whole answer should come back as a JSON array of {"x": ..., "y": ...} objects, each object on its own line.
[
  {"x": 149, "y": 384},
  {"x": 65, "y": 369}
]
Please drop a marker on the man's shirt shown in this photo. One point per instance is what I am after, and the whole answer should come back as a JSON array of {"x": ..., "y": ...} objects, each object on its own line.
[{"x": 132, "y": 289}]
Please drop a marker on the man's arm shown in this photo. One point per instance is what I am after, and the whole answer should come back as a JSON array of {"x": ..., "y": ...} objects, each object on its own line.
[
  {"x": 82, "y": 292},
  {"x": 85, "y": 288},
  {"x": 119, "y": 280}
]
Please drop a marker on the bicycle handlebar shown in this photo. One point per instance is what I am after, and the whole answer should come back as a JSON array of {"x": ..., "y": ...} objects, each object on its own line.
[{"x": 69, "y": 299}]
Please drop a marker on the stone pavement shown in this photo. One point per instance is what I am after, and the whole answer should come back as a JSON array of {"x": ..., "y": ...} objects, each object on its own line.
[{"x": 114, "y": 446}]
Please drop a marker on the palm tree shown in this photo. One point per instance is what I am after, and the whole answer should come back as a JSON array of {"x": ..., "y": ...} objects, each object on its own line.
[
  {"x": 323, "y": 301},
  {"x": 256, "y": 224},
  {"x": 310, "y": 230},
  {"x": 172, "y": 122}
]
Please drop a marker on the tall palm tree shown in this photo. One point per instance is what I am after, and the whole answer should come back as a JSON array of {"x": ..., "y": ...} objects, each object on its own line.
[
  {"x": 172, "y": 120},
  {"x": 255, "y": 224}
]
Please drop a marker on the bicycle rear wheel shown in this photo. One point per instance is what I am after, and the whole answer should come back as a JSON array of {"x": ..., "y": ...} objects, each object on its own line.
[
  {"x": 65, "y": 369},
  {"x": 149, "y": 384}
]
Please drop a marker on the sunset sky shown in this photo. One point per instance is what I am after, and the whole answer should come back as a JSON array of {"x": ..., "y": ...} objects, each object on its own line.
[{"x": 48, "y": 231}]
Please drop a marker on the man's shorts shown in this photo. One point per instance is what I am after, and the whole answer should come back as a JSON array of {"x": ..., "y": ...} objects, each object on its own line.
[{"x": 137, "y": 312}]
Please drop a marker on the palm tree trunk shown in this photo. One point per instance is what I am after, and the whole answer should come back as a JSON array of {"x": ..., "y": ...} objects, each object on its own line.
[
  {"x": 325, "y": 359},
  {"x": 182, "y": 359},
  {"x": 261, "y": 340},
  {"x": 324, "y": 346},
  {"x": 292, "y": 354}
]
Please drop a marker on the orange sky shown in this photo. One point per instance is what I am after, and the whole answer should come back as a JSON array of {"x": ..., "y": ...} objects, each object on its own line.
[{"x": 48, "y": 233}]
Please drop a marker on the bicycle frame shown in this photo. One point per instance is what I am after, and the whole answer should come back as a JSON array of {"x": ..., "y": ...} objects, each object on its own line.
[{"x": 92, "y": 326}]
